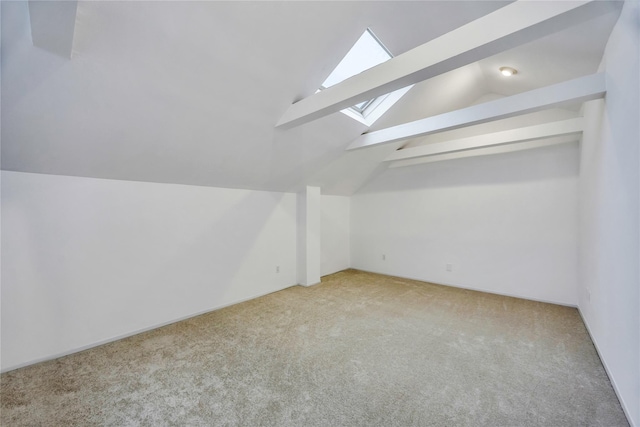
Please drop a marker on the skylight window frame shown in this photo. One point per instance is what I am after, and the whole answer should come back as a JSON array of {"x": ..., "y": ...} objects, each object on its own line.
[
  {"x": 364, "y": 107},
  {"x": 371, "y": 33},
  {"x": 371, "y": 105},
  {"x": 362, "y": 110},
  {"x": 374, "y": 108}
]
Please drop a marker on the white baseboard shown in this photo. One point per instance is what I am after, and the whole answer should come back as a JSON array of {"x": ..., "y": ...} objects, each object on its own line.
[
  {"x": 330, "y": 272},
  {"x": 608, "y": 371},
  {"x": 136, "y": 332},
  {"x": 310, "y": 284},
  {"x": 471, "y": 288}
]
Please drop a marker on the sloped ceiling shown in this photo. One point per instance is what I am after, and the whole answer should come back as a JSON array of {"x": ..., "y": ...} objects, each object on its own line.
[{"x": 189, "y": 92}]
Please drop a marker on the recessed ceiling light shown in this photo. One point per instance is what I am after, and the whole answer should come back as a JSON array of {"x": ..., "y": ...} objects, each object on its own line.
[{"x": 508, "y": 71}]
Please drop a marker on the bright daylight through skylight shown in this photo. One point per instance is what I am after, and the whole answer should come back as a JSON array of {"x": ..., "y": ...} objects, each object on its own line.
[{"x": 366, "y": 53}]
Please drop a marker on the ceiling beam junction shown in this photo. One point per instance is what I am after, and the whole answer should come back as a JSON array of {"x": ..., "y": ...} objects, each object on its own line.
[
  {"x": 508, "y": 27},
  {"x": 485, "y": 151},
  {"x": 577, "y": 90},
  {"x": 512, "y": 136}
]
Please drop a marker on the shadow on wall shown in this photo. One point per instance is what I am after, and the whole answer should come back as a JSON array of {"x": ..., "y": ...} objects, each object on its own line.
[
  {"x": 538, "y": 164},
  {"x": 235, "y": 250}
]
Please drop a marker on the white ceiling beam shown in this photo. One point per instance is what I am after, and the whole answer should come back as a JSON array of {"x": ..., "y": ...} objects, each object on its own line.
[
  {"x": 529, "y": 133},
  {"x": 508, "y": 27},
  {"x": 577, "y": 90},
  {"x": 485, "y": 151},
  {"x": 53, "y": 25}
]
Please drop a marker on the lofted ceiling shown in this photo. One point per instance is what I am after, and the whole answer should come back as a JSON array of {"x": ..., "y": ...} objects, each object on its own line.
[{"x": 190, "y": 92}]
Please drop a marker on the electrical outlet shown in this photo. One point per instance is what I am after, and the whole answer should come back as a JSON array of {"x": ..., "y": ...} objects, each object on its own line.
[
  {"x": 384, "y": 257},
  {"x": 277, "y": 269},
  {"x": 449, "y": 267}
]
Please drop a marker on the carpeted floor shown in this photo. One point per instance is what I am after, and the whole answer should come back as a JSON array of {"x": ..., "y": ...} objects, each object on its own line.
[{"x": 357, "y": 350}]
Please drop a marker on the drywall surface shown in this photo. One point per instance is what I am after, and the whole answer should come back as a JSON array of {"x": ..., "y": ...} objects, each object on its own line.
[
  {"x": 308, "y": 239},
  {"x": 334, "y": 232},
  {"x": 88, "y": 260},
  {"x": 504, "y": 223},
  {"x": 609, "y": 188}
]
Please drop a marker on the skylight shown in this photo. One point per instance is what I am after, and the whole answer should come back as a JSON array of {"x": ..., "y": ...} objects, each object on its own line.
[{"x": 366, "y": 53}]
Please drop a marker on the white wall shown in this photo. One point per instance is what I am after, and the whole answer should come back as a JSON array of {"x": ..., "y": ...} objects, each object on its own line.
[
  {"x": 308, "y": 239},
  {"x": 506, "y": 223},
  {"x": 609, "y": 188},
  {"x": 88, "y": 260},
  {"x": 334, "y": 223}
]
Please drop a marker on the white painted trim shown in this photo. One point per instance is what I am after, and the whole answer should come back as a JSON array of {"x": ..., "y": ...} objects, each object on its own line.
[
  {"x": 494, "y": 139},
  {"x": 138, "y": 331},
  {"x": 310, "y": 284},
  {"x": 335, "y": 272},
  {"x": 608, "y": 371},
  {"x": 581, "y": 89},
  {"x": 513, "y": 25},
  {"x": 377, "y": 111},
  {"x": 471, "y": 288}
]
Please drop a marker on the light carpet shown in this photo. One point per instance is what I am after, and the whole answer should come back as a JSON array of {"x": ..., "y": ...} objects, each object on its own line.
[{"x": 360, "y": 349}]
